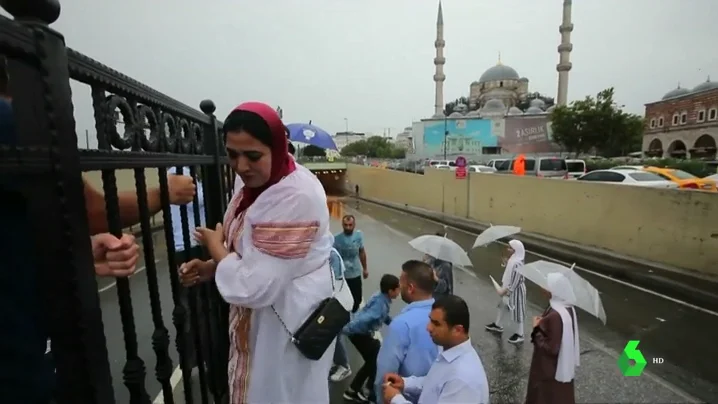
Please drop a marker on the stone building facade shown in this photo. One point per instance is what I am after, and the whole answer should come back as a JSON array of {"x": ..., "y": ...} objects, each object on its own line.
[{"x": 684, "y": 123}]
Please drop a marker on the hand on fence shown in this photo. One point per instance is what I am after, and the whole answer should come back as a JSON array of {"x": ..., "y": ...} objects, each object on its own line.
[
  {"x": 195, "y": 271},
  {"x": 115, "y": 256},
  {"x": 181, "y": 189}
]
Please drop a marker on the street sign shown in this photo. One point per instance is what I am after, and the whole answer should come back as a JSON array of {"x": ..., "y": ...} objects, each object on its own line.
[{"x": 460, "y": 168}]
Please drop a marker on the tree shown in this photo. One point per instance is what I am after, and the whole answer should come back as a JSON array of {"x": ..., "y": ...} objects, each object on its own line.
[
  {"x": 526, "y": 103},
  {"x": 313, "y": 151},
  {"x": 375, "y": 147},
  {"x": 596, "y": 124},
  {"x": 449, "y": 107}
]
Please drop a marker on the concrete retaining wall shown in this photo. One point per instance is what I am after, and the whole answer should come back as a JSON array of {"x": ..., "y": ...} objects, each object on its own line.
[{"x": 672, "y": 228}]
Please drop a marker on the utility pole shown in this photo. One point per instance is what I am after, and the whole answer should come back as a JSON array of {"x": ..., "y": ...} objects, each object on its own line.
[
  {"x": 446, "y": 133},
  {"x": 346, "y": 125}
]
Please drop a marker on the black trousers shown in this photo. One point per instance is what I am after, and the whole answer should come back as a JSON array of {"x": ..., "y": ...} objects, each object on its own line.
[
  {"x": 368, "y": 348},
  {"x": 356, "y": 289}
]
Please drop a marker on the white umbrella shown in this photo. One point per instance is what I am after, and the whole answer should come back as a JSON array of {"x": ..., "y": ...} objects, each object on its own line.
[
  {"x": 494, "y": 233},
  {"x": 587, "y": 296},
  {"x": 441, "y": 248}
]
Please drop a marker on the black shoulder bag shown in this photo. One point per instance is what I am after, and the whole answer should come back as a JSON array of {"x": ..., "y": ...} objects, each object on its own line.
[{"x": 321, "y": 327}]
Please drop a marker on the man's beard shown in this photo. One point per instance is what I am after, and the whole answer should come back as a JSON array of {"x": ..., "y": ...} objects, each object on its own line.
[{"x": 348, "y": 232}]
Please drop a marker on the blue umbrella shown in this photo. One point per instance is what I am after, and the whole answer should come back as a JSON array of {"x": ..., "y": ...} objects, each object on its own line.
[{"x": 310, "y": 134}]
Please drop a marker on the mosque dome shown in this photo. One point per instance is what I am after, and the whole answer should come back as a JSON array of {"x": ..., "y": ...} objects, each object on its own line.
[
  {"x": 456, "y": 115},
  {"x": 706, "y": 85},
  {"x": 515, "y": 111},
  {"x": 538, "y": 103},
  {"x": 677, "y": 92},
  {"x": 498, "y": 73},
  {"x": 474, "y": 113},
  {"x": 550, "y": 109},
  {"x": 534, "y": 110},
  {"x": 494, "y": 104}
]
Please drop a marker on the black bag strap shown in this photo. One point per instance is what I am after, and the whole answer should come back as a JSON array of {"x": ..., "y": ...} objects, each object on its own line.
[{"x": 284, "y": 325}]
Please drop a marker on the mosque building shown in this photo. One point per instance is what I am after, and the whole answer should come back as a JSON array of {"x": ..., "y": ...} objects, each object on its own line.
[{"x": 491, "y": 123}]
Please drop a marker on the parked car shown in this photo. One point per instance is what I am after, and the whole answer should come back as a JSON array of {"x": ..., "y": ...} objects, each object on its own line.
[
  {"x": 683, "y": 179},
  {"x": 493, "y": 163},
  {"x": 481, "y": 169},
  {"x": 628, "y": 177},
  {"x": 628, "y": 167},
  {"x": 543, "y": 167},
  {"x": 576, "y": 168},
  {"x": 442, "y": 166}
]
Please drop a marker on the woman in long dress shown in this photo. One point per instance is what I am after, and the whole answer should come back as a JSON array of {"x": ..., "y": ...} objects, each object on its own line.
[
  {"x": 556, "y": 347},
  {"x": 274, "y": 270},
  {"x": 512, "y": 306}
]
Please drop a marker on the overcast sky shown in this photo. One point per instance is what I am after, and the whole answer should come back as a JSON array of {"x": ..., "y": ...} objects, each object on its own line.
[{"x": 370, "y": 61}]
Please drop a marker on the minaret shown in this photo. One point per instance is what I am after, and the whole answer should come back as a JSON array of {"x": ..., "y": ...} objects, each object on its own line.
[
  {"x": 564, "y": 51},
  {"x": 439, "y": 61}
]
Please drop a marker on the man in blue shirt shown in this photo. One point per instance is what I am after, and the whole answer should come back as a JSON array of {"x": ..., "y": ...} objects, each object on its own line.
[
  {"x": 361, "y": 334},
  {"x": 408, "y": 349},
  {"x": 350, "y": 244}
]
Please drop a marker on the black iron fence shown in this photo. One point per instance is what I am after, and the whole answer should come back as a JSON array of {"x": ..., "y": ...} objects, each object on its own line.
[{"x": 47, "y": 168}]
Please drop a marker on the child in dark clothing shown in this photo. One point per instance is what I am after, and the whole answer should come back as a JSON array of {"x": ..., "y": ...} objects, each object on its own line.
[{"x": 360, "y": 331}]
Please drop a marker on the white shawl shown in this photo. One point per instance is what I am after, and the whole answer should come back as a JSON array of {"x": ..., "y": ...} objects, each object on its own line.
[
  {"x": 562, "y": 297},
  {"x": 516, "y": 259}
]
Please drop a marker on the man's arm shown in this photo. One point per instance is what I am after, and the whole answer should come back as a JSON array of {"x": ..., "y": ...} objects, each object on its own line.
[
  {"x": 391, "y": 354},
  {"x": 413, "y": 386},
  {"x": 129, "y": 208},
  {"x": 362, "y": 252}
]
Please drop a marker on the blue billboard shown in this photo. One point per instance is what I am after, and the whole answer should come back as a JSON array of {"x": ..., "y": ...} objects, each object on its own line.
[{"x": 465, "y": 137}]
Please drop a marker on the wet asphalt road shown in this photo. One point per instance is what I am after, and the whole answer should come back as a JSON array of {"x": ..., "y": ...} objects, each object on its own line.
[{"x": 682, "y": 336}]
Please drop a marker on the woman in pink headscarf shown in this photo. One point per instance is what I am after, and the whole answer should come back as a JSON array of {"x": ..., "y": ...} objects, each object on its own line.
[{"x": 270, "y": 263}]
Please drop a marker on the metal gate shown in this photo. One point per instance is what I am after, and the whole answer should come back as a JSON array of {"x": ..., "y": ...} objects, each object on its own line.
[{"x": 159, "y": 133}]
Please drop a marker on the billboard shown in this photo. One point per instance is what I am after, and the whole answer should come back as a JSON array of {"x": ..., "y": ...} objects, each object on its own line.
[
  {"x": 528, "y": 134},
  {"x": 466, "y": 137}
]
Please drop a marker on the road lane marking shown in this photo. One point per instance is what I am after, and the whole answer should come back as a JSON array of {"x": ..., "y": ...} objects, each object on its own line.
[
  {"x": 175, "y": 379},
  {"x": 114, "y": 283},
  {"x": 568, "y": 264}
]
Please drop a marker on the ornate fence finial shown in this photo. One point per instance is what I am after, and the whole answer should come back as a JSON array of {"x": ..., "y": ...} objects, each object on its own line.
[
  {"x": 46, "y": 11},
  {"x": 207, "y": 106}
]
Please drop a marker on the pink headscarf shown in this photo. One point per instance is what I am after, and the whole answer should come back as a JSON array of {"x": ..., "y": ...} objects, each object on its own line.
[{"x": 282, "y": 161}]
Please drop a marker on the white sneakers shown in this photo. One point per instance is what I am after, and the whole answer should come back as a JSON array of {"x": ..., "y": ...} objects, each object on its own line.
[{"x": 340, "y": 373}]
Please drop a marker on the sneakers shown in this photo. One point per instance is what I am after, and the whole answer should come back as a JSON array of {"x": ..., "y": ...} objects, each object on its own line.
[
  {"x": 494, "y": 328},
  {"x": 515, "y": 339},
  {"x": 356, "y": 396},
  {"x": 340, "y": 373}
]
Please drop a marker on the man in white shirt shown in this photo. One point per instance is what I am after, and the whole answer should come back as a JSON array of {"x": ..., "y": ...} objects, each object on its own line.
[{"x": 458, "y": 375}]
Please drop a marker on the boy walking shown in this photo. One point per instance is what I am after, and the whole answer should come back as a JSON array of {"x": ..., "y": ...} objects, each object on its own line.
[{"x": 360, "y": 331}]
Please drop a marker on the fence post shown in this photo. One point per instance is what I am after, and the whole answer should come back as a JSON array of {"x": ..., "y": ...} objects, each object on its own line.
[
  {"x": 215, "y": 203},
  {"x": 44, "y": 117}
]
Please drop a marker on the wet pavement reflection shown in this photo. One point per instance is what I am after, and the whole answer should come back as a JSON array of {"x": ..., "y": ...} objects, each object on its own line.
[{"x": 682, "y": 336}]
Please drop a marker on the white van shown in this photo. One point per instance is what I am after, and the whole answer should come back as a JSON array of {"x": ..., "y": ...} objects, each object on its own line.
[{"x": 576, "y": 168}]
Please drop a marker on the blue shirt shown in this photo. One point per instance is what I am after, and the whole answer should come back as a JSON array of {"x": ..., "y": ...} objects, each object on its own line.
[
  {"x": 177, "y": 218},
  {"x": 348, "y": 247},
  {"x": 457, "y": 376},
  {"x": 26, "y": 376},
  {"x": 370, "y": 318},
  {"x": 407, "y": 348}
]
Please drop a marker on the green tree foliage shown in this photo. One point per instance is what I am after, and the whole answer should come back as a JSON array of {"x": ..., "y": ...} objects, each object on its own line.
[
  {"x": 524, "y": 105},
  {"x": 375, "y": 147},
  {"x": 449, "y": 107},
  {"x": 596, "y": 125},
  {"x": 313, "y": 151}
]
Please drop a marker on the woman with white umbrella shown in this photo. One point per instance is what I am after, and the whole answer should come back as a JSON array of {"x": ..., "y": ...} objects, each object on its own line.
[
  {"x": 556, "y": 347},
  {"x": 513, "y": 295}
]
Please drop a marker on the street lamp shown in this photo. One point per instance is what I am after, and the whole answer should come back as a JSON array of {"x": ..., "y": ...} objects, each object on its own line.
[{"x": 446, "y": 133}]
